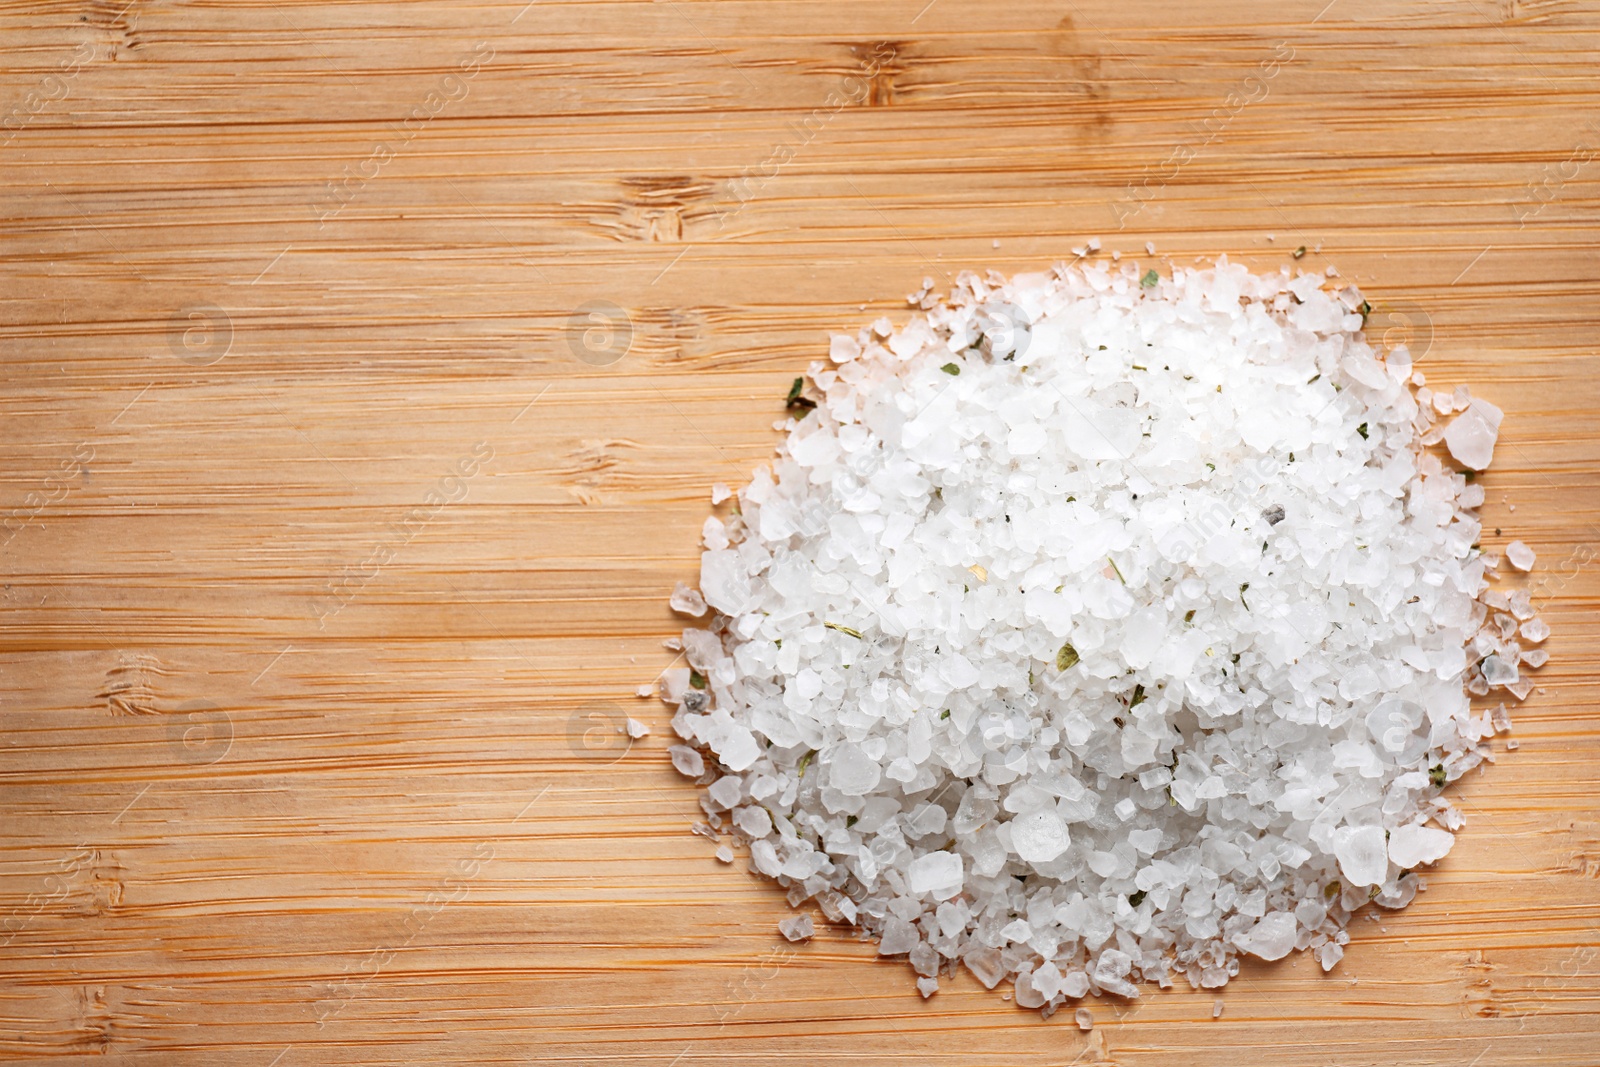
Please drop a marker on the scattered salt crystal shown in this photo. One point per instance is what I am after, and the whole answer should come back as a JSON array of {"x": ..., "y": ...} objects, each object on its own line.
[
  {"x": 1536, "y": 630},
  {"x": 637, "y": 729},
  {"x": 1216, "y": 1008},
  {"x": 725, "y": 791},
  {"x": 1501, "y": 720},
  {"x": 1415, "y": 844},
  {"x": 1330, "y": 954},
  {"x": 687, "y": 761},
  {"x": 1472, "y": 434},
  {"x": 720, "y": 492},
  {"x": 985, "y": 964},
  {"x": 687, "y": 600},
  {"x": 1520, "y": 555},
  {"x": 1497, "y": 671},
  {"x": 797, "y": 927},
  {"x": 929, "y": 986},
  {"x": 725, "y": 854},
  {"x": 1084, "y": 1018},
  {"x": 899, "y": 937}
]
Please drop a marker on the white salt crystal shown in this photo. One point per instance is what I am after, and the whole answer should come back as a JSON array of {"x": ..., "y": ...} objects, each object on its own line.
[
  {"x": 1415, "y": 844},
  {"x": 1497, "y": 671},
  {"x": 1536, "y": 630},
  {"x": 1216, "y": 1008},
  {"x": 687, "y": 761},
  {"x": 725, "y": 854},
  {"x": 1520, "y": 555},
  {"x": 797, "y": 927},
  {"x": 936, "y": 873},
  {"x": 687, "y": 600},
  {"x": 637, "y": 729},
  {"x": 899, "y": 937},
  {"x": 1362, "y": 854},
  {"x": 1039, "y": 836},
  {"x": 1084, "y": 1018},
  {"x": 985, "y": 965},
  {"x": 852, "y": 772},
  {"x": 1272, "y": 937},
  {"x": 725, "y": 791},
  {"x": 1471, "y": 435},
  {"x": 753, "y": 821},
  {"x": 929, "y": 986}
]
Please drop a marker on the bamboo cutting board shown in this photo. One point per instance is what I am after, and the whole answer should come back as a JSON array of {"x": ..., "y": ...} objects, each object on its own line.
[{"x": 366, "y": 367}]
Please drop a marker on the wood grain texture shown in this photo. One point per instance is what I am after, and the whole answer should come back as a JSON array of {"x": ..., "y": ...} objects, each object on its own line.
[{"x": 248, "y": 821}]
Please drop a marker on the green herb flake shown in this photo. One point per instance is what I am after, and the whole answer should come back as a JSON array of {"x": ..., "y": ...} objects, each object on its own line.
[
  {"x": 1137, "y": 898},
  {"x": 1137, "y": 366},
  {"x": 805, "y": 761},
  {"x": 1362, "y": 430},
  {"x": 1067, "y": 658},
  {"x": 1118, "y": 569},
  {"x": 1138, "y": 696},
  {"x": 797, "y": 403},
  {"x": 1436, "y": 775},
  {"x": 945, "y": 714},
  {"x": 843, "y": 629},
  {"x": 1211, "y": 466},
  {"x": 850, "y": 821},
  {"x": 1300, "y": 252},
  {"x": 1188, "y": 616},
  {"x": 1150, "y": 279},
  {"x": 697, "y": 680},
  {"x": 1332, "y": 889},
  {"x": 1365, "y": 309},
  {"x": 951, "y": 369}
]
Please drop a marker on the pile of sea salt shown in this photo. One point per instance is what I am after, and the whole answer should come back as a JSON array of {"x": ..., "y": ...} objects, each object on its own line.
[{"x": 1099, "y": 627}]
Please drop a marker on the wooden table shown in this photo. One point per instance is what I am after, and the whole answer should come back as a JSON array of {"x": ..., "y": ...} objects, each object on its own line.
[{"x": 366, "y": 367}]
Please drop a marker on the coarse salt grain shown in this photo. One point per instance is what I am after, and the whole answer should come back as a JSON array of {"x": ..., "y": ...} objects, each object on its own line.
[
  {"x": 1083, "y": 631},
  {"x": 1520, "y": 556}
]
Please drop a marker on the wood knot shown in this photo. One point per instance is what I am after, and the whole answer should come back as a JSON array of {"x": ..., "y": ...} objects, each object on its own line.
[
  {"x": 130, "y": 685},
  {"x": 1479, "y": 999},
  {"x": 659, "y": 208}
]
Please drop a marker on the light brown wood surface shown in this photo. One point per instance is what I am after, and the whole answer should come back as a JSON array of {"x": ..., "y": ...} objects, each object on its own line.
[{"x": 245, "y": 823}]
